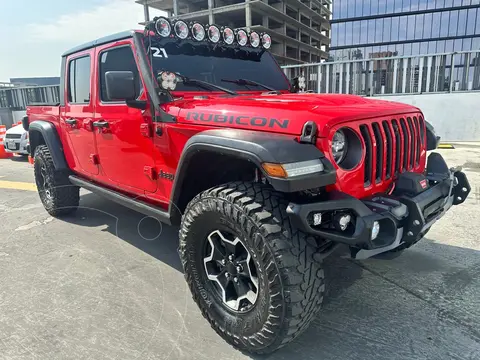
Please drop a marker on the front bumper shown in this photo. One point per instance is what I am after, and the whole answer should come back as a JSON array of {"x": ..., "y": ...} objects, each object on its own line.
[
  {"x": 21, "y": 146},
  {"x": 404, "y": 219}
]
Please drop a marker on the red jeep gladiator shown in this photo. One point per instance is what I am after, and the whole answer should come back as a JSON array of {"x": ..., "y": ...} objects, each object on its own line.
[{"x": 197, "y": 126}]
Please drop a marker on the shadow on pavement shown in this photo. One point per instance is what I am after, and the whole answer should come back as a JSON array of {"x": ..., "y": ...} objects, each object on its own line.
[
  {"x": 423, "y": 304},
  {"x": 18, "y": 158},
  {"x": 145, "y": 233}
]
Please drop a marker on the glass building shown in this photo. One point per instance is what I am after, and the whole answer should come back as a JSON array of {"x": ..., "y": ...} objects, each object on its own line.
[{"x": 366, "y": 29}]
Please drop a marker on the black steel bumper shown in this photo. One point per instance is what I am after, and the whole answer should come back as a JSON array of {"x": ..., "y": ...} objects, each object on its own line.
[{"x": 404, "y": 219}]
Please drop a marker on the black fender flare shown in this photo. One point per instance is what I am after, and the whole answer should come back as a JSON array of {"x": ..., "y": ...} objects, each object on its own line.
[
  {"x": 50, "y": 136},
  {"x": 257, "y": 148}
]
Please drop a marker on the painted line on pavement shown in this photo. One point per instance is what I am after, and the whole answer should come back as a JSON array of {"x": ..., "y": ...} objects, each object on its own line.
[
  {"x": 17, "y": 185},
  {"x": 446, "y": 146}
]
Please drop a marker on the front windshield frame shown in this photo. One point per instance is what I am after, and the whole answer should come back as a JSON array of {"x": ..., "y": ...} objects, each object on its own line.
[{"x": 227, "y": 62}]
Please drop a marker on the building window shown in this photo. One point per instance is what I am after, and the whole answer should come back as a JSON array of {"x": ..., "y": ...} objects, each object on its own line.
[
  {"x": 471, "y": 20},
  {"x": 417, "y": 33}
]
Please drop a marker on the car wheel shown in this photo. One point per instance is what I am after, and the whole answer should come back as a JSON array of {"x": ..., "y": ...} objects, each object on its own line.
[
  {"x": 58, "y": 195},
  {"x": 252, "y": 274}
]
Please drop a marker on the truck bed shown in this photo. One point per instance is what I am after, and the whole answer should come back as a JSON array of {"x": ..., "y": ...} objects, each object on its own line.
[
  {"x": 46, "y": 112},
  {"x": 44, "y": 104}
]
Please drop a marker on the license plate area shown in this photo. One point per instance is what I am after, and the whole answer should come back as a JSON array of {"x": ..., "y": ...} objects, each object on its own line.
[{"x": 12, "y": 145}]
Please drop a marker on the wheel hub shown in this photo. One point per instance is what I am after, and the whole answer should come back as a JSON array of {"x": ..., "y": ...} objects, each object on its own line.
[
  {"x": 231, "y": 268},
  {"x": 229, "y": 265},
  {"x": 45, "y": 183}
]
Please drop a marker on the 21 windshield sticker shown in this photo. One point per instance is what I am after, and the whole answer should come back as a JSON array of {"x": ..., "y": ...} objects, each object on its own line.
[{"x": 159, "y": 52}]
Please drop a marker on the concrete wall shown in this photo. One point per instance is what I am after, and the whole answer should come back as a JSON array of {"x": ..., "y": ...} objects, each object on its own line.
[
  {"x": 18, "y": 115},
  {"x": 455, "y": 116},
  {"x": 8, "y": 117}
]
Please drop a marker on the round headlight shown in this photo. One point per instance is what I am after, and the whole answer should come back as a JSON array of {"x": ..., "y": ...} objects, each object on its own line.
[
  {"x": 347, "y": 149},
  {"x": 181, "y": 29},
  {"x": 163, "y": 27},
  {"x": 339, "y": 146},
  {"x": 213, "y": 33},
  {"x": 242, "y": 37},
  {"x": 198, "y": 32},
  {"x": 266, "y": 41},
  {"x": 254, "y": 39},
  {"x": 228, "y": 36}
]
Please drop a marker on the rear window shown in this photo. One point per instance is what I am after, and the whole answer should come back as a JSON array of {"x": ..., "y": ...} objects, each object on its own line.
[{"x": 79, "y": 80}]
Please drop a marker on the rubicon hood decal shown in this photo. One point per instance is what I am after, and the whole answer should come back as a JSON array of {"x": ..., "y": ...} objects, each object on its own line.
[
  {"x": 245, "y": 120},
  {"x": 286, "y": 113}
]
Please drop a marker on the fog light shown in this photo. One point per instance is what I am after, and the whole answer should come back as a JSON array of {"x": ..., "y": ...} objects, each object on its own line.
[
  {"x": 317, "y": 219},
  {"x": 375, "y": 230},
  {"x": 344, "y": 221},
  {"x": 341, "y": 221}
]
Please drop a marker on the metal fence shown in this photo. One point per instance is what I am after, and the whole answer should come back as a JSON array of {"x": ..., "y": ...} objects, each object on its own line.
[
  {"x": 446, "y": 72},
  {"x": 17, "y": 98}
]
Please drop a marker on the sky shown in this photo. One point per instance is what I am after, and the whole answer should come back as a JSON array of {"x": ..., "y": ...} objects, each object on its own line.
[{"x": 36, "y": 32}]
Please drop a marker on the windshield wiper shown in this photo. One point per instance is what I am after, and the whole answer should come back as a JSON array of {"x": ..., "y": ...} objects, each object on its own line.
[
  {"x": 206, "y": 85},
  {"x": 246, "y": 82}
]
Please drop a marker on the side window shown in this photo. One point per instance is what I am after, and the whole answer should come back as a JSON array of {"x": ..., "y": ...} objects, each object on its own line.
[
  {"x": 118, "y": 59},
  {"x": 79, "y": 80}
]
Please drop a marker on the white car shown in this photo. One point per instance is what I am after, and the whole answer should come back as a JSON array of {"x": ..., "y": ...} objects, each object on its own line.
[{"x": 16, "y": 140}]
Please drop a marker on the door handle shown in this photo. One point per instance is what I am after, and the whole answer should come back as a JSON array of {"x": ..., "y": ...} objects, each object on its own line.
[
  {"x": 71, "y": 121},
  {"x": 102, "y": 124}
]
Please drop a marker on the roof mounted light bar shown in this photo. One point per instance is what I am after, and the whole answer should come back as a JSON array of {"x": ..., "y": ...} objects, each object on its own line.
[{"x": 199, "y": 32}]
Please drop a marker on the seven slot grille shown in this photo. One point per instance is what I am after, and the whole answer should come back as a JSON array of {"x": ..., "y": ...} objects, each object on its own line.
[{"x": 391, "y": 147}]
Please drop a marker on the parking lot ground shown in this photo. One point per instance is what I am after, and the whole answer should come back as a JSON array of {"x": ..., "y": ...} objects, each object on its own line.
[{"x": 107, "y": 284}]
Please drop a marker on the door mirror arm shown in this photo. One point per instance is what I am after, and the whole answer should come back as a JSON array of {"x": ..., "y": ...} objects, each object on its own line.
[{"x": 137, "y": 104}]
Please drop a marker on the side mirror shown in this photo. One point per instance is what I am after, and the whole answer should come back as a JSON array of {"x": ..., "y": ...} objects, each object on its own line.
[
  {"x": 25, "y": 123},
  {"x": 120, "y": 85}
]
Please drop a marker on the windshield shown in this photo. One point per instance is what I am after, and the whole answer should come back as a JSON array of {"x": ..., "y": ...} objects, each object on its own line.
[{"x": 213, "y": 63}]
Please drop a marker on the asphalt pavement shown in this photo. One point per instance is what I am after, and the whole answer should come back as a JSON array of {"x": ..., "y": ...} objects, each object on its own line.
[{"x": 107, "y": 284}]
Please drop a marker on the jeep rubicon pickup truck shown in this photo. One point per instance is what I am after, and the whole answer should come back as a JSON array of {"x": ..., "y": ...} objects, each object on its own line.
[{"x": 197, "y": 126}]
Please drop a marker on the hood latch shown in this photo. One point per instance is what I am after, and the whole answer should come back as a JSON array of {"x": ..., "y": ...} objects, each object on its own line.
[{"x": 309, "y": 133}]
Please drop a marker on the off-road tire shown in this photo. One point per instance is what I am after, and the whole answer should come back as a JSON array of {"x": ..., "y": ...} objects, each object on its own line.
[
  {"x": 63, "y": 197},
  {"x": 291, "y": 280}
]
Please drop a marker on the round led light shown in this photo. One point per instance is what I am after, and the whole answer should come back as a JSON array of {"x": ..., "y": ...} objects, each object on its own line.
[
  {"x": 228, "y": 36},
  {"x": 266, "y": 41},
  {"x": 254, "y": 39},
  {"x": 213, "y": 33},
  {"x": 198, "y": 32},
  {"x": 181, "y": 29},
  {"x": 168, "y": 80},
  {"x": 242, "y": 37},
  {"x": 163, "y": 27}
]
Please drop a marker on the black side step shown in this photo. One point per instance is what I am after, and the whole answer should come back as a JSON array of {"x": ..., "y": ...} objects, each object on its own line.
[{"x": 121, "y": 199}]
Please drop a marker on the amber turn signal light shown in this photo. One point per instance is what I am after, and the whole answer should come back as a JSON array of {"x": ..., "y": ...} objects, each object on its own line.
[{"x": 275, "y": 170}]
